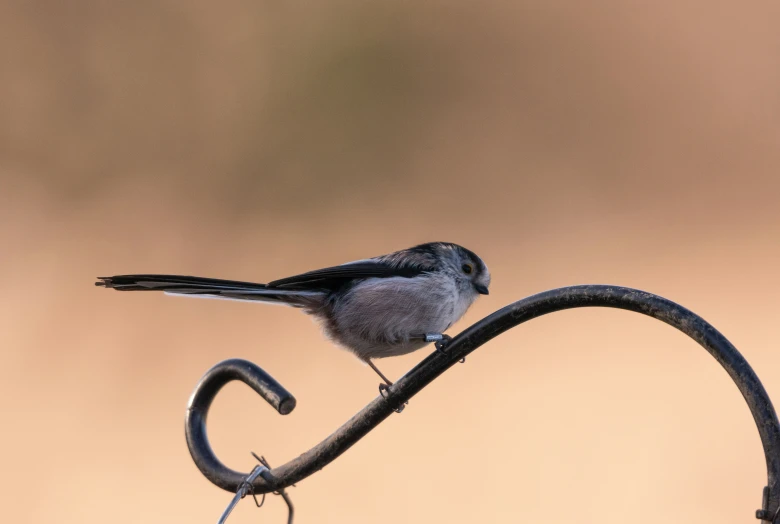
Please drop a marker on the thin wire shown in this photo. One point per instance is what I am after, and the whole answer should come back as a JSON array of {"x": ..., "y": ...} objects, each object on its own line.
[
  {"x": 243, "y": 489},
  {"x": 284, "y": 495}
]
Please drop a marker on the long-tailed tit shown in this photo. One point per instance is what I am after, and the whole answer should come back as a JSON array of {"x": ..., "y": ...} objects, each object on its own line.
[{"x": 377, "y": 307}]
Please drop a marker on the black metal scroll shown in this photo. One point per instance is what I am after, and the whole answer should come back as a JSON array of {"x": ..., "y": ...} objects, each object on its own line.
[{"x": 438, "y": 362}]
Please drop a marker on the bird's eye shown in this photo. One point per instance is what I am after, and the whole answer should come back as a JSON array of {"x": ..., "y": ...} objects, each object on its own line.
[{"x": 467, "y": 268}]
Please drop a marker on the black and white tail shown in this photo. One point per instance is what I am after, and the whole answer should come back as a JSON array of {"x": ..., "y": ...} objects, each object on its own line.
[{"x": 212, "y": 288}]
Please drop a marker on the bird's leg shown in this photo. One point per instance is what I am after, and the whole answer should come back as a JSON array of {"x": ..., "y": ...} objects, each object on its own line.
[
  {"x": 387, "y": 381},
  {"x": 440, "y": 340},
  {"x": 384, "y": 387}
]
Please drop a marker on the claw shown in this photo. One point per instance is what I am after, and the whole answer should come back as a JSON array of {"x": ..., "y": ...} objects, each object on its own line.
[
  {"x": 442, "y": 343},
  {"x": 383, "y": 390}
]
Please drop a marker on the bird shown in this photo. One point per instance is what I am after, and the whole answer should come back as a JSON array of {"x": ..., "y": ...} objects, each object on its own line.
[{"x": 377, "y": 307}]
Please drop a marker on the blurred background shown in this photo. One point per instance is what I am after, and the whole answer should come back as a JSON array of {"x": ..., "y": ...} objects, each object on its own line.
[{"x": 629, "y": 143}]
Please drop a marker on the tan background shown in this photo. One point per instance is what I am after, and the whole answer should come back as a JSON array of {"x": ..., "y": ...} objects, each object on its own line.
[{"x": 566, "y": 142}]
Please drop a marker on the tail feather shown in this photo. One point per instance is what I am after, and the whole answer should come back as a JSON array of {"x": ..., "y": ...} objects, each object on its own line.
[
  {"x": 211, "y": 287},
  {"x": 173, "y": 283}
]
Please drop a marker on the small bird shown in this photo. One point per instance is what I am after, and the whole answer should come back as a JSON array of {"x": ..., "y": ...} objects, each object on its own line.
[{"x": 376, "y": 307}]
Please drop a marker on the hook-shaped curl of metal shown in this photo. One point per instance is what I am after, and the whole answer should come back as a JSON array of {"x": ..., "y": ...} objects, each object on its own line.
[{"x": 439, "y": 361}]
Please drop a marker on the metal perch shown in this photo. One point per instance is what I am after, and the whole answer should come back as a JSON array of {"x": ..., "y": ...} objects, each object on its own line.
[{"x": 278, "y": 478}]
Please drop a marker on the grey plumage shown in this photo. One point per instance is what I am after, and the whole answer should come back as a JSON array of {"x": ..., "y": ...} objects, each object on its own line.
[{"x": 377, "y": 307}]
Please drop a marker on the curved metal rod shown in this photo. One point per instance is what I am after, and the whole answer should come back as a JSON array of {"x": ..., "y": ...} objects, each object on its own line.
[
  {"x": 438, "y": 362},
  {"x": 200, "y": 402}
]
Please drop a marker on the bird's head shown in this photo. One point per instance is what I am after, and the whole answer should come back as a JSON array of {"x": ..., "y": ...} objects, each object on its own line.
[{"x": 464, "y": 264}]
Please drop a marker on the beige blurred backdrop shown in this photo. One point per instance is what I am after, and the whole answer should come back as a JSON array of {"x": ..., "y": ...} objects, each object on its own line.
[{"x": 630, "y": 143}]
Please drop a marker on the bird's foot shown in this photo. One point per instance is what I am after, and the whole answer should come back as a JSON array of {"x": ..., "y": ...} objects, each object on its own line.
[
  {"x": 441, "y": 343},
  {"x": 384, "y": 390},
  {"x": 440, "y": 340}
]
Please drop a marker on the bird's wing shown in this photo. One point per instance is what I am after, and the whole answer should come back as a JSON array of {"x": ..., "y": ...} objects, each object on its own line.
[{"x": 336, "y": 276}]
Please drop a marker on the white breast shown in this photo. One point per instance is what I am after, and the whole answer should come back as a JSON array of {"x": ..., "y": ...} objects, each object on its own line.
[{"x": 377, "y": 317}]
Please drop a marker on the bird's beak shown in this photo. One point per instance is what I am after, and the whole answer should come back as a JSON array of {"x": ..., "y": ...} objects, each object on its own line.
[{"x": 481, "y": 289}]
